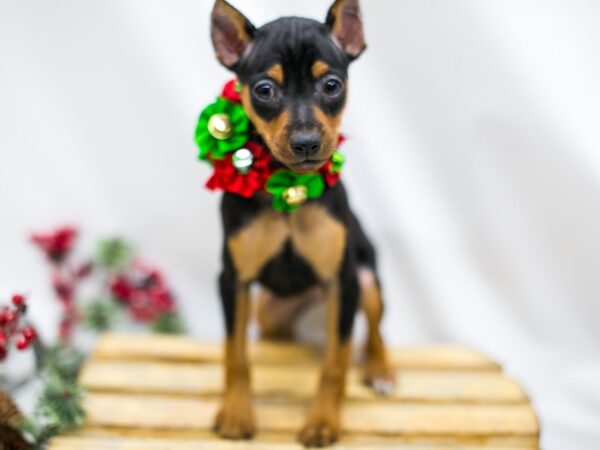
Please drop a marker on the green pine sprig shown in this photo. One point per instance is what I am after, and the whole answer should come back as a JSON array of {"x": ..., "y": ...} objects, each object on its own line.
[{"x": 59, "y": 407}]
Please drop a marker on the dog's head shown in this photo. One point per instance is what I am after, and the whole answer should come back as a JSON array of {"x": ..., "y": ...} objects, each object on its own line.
[{"x": 293, "y": 73}]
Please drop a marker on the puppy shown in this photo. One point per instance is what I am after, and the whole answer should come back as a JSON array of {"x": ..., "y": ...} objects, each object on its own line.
[{"x": 293, "y": 77}]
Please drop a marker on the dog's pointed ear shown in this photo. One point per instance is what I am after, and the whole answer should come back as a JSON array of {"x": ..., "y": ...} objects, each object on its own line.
[
  {"x": 345, "y": 21},
  {"x": 231, "y": 33}
]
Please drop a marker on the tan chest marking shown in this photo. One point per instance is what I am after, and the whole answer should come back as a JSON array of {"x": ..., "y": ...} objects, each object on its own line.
[
  {"x": 319, "y": 239},
  {"x": 257, "y": 243},
  {"x": 315, "y": 236}
]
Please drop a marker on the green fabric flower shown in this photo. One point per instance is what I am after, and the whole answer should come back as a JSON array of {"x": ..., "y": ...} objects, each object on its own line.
[
  {"x": 337, "y": 162},
  {"x": 290, "y": 190},
  {"x": 217, "y": 146}
]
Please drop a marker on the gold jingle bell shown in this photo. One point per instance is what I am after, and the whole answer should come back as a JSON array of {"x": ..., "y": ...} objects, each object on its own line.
[
  {"x": 295, "y": 195},
  {"x": 219, "y": 126}
]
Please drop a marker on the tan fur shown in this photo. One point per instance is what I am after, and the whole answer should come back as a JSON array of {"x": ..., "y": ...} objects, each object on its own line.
[
  {"x": 319, "y": 68},
  {"x": 331, "y": 126},
  {"x": 315, "y": 235},
  {"x": 253, "y": 246},
  {"x": 323, "y": 423},
  {"x": 319, "y": 239},
  {"x": 276, "y": 73},
  {"x": 236, "y": 418},
  {"x": 275, "y": 132},
  {"x": 337, "y": 11},
  {"x": 376, "y": 367}
]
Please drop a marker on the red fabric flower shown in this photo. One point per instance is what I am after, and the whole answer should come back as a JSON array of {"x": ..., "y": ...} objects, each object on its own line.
[
  {"x": 331, "y": 178},
  {"x": 227, "y": 178},
  {"x": 56, "y": 245},
  {"x": 232, "y": 92}
]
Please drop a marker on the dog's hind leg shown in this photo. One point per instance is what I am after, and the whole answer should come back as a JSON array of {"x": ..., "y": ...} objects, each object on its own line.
[
  {"x": 277, "y": 316},
  {"x": 377, "y": 372}
]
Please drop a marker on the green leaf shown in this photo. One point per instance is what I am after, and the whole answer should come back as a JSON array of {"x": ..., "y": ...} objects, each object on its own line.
[
  {"x": 113, "y": 254},
  {"x": 168, "y": 323},
  {"x": 100, "y": 315}
]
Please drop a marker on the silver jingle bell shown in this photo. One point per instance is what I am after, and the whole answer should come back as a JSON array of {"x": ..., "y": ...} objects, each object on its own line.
[{"x": 242, "y": 160}]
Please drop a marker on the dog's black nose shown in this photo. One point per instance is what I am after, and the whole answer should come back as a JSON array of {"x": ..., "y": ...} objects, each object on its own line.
[{"x": 306, "y": 144}]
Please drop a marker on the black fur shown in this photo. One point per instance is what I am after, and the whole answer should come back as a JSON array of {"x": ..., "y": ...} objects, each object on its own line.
[
  {"x": 296, "y": 44},
  {"x": 288, "y": 273}
]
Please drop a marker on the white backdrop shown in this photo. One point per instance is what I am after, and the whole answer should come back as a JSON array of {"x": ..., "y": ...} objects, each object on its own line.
[{"x": 473, "y": 161}]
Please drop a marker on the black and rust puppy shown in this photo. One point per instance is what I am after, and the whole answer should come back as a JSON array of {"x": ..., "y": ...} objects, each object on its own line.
[{"x": 293, "y": 73}]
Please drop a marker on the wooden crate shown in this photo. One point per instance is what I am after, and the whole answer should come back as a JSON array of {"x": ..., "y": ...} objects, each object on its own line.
[{"x": 161, "y": 393}]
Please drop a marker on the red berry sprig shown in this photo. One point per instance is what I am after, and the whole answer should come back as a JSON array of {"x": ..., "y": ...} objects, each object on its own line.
[
  {"x": 13, "y": 327},
  {"x": 58, "y": 246},
  {"x": 143, "y": 291}
]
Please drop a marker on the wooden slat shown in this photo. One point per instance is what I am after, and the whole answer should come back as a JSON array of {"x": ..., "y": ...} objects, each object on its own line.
[
  {"x": 181, "y": 349},
  {"x": 300, "y": 383},
  {"x": 383, "y": 419},
  {"x": 77, "y": 443},
  {"x": 162, "y": 393},
  {"x": 375, "y": 441}
]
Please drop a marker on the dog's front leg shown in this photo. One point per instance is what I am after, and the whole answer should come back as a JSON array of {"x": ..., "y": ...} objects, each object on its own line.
[
  {"x": 323, "y": 424},
  {"x": 235, "y": 420}
]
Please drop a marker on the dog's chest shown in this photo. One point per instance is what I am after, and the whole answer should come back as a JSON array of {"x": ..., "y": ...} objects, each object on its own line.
[{"x": 311, "y": 234}]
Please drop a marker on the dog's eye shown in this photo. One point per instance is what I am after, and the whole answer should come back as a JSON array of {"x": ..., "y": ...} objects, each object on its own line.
[
  {"x": 332, "y": 86},
  {"x": 265, "y": 91}
]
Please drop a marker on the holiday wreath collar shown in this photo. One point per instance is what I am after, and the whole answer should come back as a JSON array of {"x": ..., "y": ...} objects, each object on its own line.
[{"x": 243, "y": 166}]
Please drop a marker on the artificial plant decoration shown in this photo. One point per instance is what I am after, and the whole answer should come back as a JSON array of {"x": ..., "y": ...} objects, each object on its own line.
[
  {"x": 58, "y": 408},
  {"x": 143, "y": 292},
  {"x": 10, "y": 418},
  {"x": 127, "y": 284},
  {"x": 66, "y": 277},
  {"x": 14, "y": 329},
  {"x": 128, "y": 287},
  {"x": 59, "y": 405}
]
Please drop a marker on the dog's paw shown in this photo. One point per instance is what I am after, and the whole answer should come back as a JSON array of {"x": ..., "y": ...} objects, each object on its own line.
[
  {"x": 380, "y": 378},
  {"x": 235, "y": 420},
  {"x": 320, "y": 432}
]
